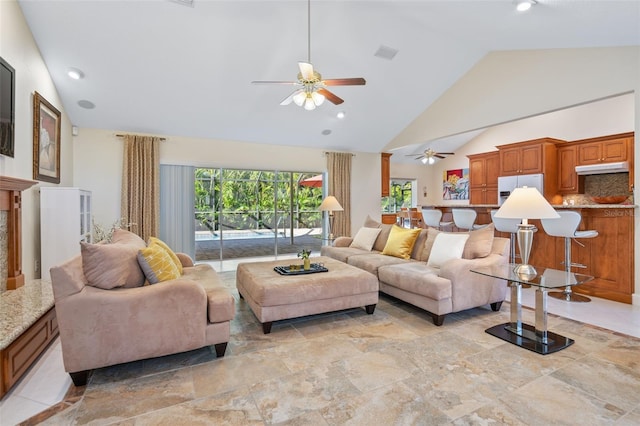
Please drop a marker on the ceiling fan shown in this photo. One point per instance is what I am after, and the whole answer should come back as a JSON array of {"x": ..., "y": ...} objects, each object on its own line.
[
  {"x": 429, "y": 156},
  {"x": 312, "y": 89}
]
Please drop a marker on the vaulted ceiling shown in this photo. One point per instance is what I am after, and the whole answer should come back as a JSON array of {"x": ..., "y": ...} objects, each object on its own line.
[{"x": 161, "y": 67}]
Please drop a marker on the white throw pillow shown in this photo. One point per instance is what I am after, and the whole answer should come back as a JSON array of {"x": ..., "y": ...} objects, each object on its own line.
[
  {"x": 447, "y": 246},
  {"x": 365, "y": 237}
]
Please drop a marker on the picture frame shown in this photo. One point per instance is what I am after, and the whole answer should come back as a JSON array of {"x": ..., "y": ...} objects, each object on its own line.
[
  {"x": 46, "y": 140},
  {"x": 7, "y": 108}
]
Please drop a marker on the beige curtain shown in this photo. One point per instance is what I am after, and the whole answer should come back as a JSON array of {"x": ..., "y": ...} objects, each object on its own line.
[
  {"x": 339, "y": 167},
  {"x": 140, "y": 203}
]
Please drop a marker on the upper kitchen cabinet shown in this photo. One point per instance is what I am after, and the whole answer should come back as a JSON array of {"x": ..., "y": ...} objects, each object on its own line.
[
  {"x": 607, "y": 149},
  {"x": 529, "y": 157},
  {"x": 483, "y": 178},
  {"x": 568, "y": 180}
]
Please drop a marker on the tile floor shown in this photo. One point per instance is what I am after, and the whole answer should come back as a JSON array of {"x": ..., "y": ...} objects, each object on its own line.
[{"x": 47, "y": 383}]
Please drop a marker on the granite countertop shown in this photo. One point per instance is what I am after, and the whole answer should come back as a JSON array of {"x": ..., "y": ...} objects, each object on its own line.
[{"x": 21, "y": 308}]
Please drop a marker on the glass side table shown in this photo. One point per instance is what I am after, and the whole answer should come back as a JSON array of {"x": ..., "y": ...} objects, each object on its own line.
[{"x": 535, "y": 338}]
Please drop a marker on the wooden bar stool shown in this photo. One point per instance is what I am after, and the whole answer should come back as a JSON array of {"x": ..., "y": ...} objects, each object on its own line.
[{"x": 567, "y": 227}]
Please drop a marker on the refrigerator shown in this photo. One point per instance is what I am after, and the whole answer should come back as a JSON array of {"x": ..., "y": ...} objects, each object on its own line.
[{"x": 506, "y": 184}]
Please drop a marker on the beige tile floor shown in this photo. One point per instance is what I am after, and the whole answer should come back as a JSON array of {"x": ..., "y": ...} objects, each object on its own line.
[{"x": 393, "y": 367}]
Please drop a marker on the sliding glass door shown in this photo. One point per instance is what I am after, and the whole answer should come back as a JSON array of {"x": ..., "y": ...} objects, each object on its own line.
[{"x": 255, "y": 213}]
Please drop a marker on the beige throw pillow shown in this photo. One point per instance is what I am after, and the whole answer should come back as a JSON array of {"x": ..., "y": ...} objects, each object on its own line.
[
  {"x": 365, "y": 237},
  {"x": 447, "y": 246},
  {"x": 112, "y": 265},
  {"x": 479, "y": 243},
  {"x": 383, "y": 236}
]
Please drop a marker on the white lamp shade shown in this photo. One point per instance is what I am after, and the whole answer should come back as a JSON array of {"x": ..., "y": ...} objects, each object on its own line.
[
  {"x": 526, "y": 203},
  {"x": 330, "y": 204}
]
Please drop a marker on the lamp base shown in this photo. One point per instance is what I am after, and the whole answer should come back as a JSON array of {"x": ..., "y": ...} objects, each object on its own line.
[{"x": 526, "y": 272}]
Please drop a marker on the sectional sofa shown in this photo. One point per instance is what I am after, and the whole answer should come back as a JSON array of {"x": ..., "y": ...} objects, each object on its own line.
[{"x": 433, "y": 272}]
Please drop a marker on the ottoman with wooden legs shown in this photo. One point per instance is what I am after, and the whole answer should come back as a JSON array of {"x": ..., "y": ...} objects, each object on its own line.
[{"x": 274, "y": 297}]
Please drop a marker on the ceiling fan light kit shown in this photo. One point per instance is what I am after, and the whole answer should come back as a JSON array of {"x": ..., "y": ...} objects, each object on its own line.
[{"x": 314, "y": 91}]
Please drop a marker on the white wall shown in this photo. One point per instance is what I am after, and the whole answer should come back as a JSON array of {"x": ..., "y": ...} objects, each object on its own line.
[
  {"x": 18, "y": 48},
  {"x": 98, "y": 167}
]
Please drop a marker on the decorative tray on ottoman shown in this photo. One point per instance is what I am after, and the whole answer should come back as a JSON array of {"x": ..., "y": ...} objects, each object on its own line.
[{"x": 299, "y": 270}]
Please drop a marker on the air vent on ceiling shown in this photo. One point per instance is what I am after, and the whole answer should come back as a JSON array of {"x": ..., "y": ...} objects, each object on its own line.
[{"x": 386, "y": 52}]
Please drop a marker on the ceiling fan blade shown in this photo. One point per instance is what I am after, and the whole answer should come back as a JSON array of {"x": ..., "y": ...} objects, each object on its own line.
[
  {"x": 275, "y": 82},
  {"x": 438, "y": 156},
  {"x": 306, "y": 69},
  {"x": 345, "y": 82},
  {"x": 414, "y": 155},
  {"x": 289, "y": 99},
  {"x": 445, "y": 153},
  {"x": 331, "y": 97}
]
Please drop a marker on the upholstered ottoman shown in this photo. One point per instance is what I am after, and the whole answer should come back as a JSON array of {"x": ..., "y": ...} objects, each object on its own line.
[{"x": 274, "y": 297}]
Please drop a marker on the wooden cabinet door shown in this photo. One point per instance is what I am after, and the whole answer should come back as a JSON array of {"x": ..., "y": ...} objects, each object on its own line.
[
  {"x": 385, "y": 174},
  {"x": 510, "y": 161},
  {"x": 567, "y": 176},
  {"x": 531, "y": 160},
  {"x": 589, "y": 153},
  {"x": 476, "y": 195},
  {"x": 615, "y": 150},
  {"x": 477, "y": 175},
  {"x": 492, "y": 169}
]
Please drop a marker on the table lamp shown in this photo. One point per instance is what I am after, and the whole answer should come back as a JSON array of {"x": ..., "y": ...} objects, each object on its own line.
[
  {"x": 330, "y": 204},
  {"x": 526, "y": 203}
]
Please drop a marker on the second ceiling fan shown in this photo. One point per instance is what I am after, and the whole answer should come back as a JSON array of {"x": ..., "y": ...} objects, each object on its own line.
[
  {"x": 429, "y": 156},
  {"x": 312, "y": 90}
]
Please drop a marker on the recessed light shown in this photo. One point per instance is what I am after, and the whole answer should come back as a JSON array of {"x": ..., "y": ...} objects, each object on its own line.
[
  {"x": 326, "y": 132},
  {"x": 340, "y": 115},
  {"x": 524, "y": 5},
  {"x": 86, "y": 104},
  {"x": 75, "y": 73}
]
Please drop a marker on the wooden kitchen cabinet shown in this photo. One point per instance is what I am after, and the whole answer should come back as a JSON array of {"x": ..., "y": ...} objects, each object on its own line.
[
  {"x": 608, "y": 257},
  {"x": 483, "y": 178},
  {"x": 385, "y": 161},
  {"x": 529, "y": 157},
  {"x": 608, "y": 149},
  {"x": 568, "y": 180}
]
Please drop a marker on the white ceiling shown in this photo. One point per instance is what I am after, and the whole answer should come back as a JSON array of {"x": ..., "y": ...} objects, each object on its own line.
[{"x": 159, "y": 67}]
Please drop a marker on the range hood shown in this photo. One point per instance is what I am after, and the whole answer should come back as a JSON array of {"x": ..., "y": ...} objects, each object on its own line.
[{"x": 597, "y": 169}]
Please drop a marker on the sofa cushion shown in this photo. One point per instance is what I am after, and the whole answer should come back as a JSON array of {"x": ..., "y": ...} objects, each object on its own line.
[
  {"x": 157, "y": 264},
  {"x": 172, "y": 255},
  {"x": 372, "y": 261},
  {"x": 417, "y": 278},
  {"x": 428, "y": 244},
  {"x": 447, "y": 245},
  {"x": 365, "y": 238},
  {"x": 479, "y": 243},
  {"x": 112, "y": 265},
  {"x": 401, "y": 241},
  {"x": 418, "y": 246},
  {"x": 341, "y": 253}
]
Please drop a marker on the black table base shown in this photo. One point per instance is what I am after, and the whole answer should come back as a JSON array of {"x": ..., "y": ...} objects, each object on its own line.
[{"x": 555, "y": 342}]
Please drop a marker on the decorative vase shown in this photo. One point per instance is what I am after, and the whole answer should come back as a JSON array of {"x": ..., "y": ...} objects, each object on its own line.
[{"x": 307, "y": 264}]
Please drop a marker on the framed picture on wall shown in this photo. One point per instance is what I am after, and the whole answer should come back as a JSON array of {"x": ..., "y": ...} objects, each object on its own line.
[
  {"x": 7, "y": 108},
  {"x": 46, "y": 140}
]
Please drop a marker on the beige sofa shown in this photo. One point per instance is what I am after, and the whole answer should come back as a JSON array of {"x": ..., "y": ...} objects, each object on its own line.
[
  {"x": 101, "y": 327},
  {"x": 439, "y": 289}
]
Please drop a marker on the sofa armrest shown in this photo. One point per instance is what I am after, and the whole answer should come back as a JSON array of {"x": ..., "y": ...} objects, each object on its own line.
[
  {"x": 469, "y": 289},
  {"x": 185, "y": 259},
  {"x": 342, "y": 242},
  {"x": 105, "y": 327}
]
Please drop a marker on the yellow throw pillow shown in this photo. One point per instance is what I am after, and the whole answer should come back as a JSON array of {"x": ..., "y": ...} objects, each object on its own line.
[
  {"x": 154, "y": 240},
  {"x": 400, "y": 242},
  {"x": 156, "y": 264}
]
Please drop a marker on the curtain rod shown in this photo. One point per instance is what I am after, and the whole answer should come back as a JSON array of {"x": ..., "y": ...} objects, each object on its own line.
[
  {"x": 327, "y": 153},
  {"x": 122, "y": 136}
]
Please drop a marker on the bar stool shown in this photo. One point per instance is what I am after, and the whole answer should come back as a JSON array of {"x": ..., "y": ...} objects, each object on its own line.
[
  {"x": 465, "y": 219},
  {"x": 432, "y": 218},
  {"x": 510, "y": 226},
  {"x": 567, "y": 227}
]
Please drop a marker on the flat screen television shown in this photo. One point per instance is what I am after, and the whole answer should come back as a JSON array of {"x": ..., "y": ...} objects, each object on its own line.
[{"x": 7, "y": 108}]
